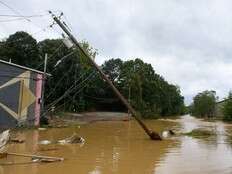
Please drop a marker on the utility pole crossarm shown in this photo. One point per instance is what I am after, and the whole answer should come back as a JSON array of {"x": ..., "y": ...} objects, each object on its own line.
[{"x": 151, "y": 134}]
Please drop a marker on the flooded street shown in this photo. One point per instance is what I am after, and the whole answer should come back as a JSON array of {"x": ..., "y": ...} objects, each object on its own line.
[{"x": 122, "y": 147}]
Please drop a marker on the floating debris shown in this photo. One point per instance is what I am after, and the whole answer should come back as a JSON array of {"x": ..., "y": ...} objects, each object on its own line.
[
  {"x": 45, "y": 142},
  {"x": 197, "y": 133},
  {"x": 16, "y": 141},
  {"x": 168, "y": 133},
  {"x": 35, "y": 158},
  {"x": 42, "y": 128},
  {"x": 4, "y": 138},
  {"x": 74, "y": 139}
]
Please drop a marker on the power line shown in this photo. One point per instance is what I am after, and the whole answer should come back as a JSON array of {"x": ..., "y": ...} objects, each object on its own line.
[
  {"x": 71, "y": 89},
  {"x": 13, "y": 10},
  {"x": 58, "y": 83},
  {"x": 30, "y": 16},
  {"x": 100, "y": 98},
  {"x": 64, "y": 57},
  {"x": 18, "y": 18},
  {"x": 53, "y": 54},
  {"x": 20, "y": 15},
  {"x": 56, "y": 50},
  {"x": 78, "y": 91},
  {"x": 21, "y": 39},
  {"x": 12, "y": 20},
  {"x": 61, "y": 59}
]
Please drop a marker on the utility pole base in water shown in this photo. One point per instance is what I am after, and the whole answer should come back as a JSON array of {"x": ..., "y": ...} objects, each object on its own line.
[{"x": 155, "y": 136}]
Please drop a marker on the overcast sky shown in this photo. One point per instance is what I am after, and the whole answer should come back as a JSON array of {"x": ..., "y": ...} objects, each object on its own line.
[{"x": 188, "y": 42}]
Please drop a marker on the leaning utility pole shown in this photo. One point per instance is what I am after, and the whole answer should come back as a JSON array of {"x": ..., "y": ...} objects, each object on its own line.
[{"x": 153, "y": 135}]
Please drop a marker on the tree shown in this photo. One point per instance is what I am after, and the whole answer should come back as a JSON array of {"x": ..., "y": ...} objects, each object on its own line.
[
  {"x": 70, "y": 71},
  {"x": 227, "y": 108},
  {"x": 204, "y": 104},
  {"x": 22, "y": 49},
  {"x": 149, "y": 93}
]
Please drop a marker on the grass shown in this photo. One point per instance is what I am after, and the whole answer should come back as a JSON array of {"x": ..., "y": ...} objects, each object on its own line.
[{"x": 198, "y": 133}]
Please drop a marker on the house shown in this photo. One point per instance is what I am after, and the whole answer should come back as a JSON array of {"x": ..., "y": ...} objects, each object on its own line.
[
  {"x": 20, "y": 95},
  {"x": 219, "y": 108}
]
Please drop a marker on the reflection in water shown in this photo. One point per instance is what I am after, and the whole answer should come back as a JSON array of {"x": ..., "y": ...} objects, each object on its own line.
[{"x": 122, "y": 147}]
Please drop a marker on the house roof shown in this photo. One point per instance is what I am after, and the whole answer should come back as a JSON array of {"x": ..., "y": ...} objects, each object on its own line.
[{"x": 23, "y": 67}]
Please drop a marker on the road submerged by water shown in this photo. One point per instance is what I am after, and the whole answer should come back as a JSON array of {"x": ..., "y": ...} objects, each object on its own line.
[{"x": 122, "y": 147}]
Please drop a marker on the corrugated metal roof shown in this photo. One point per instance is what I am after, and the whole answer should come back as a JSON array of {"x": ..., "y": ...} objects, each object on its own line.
[{"x": 22, "y": 67}]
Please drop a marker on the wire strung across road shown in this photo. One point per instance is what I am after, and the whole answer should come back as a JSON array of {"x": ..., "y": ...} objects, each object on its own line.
[
  {"x": 13, "y": 10},
  {"x": 53, "y": 54},
  {"x": 58, "y": 83},
  {"x": 21, "y": 17},
  {"x": 21, "y": 39},
  {"x": 102, "y": 99},
  {"x": 17, "y": 16},
  {"x": 12, "y": 20},
  {"x": 71, "y": 89},
  {"x": 61, "y": 59}
]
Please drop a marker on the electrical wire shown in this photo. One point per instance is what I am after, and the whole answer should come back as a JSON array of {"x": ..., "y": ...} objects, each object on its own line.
[
  {"x": 53, "y": 54},
  {"x": 71, "y": 89},
  {"x": 13, "y": 10},
  {"x": 64, "y": 57},
  {"x": 22, "y": 16},
  {"x": 56, "y": 50},
  {"x": 58, "y": 83},
  {"x": 31, "y": 16},
  {"x": 21, "y": 39},
  {"x": 74, "y": 95},
  {"x": 76, "y": 80},
  {"x": 61, "y": 59},
  {"x": 17, "y": 17},
  {"x": 102, "y": 99},
  {"x": 12, "y": 20},
  {"x": 78, "y": 91}
]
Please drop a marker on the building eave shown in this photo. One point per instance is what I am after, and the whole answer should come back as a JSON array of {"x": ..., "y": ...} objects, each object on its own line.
[{"x": 23, "y": 67}]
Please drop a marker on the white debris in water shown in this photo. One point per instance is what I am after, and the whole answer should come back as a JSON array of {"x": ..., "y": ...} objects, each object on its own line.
[
  {"x": 45, "y": 142},
  {"x": 4, "y": 138},
  {"x": 165, "y": 134}
]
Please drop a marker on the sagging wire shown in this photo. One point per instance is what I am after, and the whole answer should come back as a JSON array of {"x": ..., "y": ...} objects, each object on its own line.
[{"x": 71, "y": 89}]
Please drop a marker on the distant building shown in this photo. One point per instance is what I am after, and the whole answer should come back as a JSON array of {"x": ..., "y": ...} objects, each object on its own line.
[
  {"x": 219, "y": 108},
  {"x": 20, "y": 95}
]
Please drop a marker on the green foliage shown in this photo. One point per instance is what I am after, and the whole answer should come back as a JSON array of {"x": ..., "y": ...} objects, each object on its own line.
[
  {"x": 227, "y": 108},
  {"x": 204, "y": 104},
  {"x": 21, "y": 48},
  {"x": 74, "y": 70},
  {"x": 147, "y": 91}
]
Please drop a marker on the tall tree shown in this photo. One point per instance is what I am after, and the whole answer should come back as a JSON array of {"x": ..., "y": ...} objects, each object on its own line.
[
  {"x": 22, "y": 49},
  {"x": 204, "y": 104}
]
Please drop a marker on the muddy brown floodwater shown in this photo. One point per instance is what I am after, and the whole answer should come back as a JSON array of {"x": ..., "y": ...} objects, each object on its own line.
[{"x": 122, "y": 147}]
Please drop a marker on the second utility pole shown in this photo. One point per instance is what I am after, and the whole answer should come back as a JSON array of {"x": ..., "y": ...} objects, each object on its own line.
[{"x": 153, "y": 135}]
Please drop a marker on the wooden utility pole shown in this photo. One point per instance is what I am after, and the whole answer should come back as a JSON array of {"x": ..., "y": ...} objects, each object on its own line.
[{"x": 153, "y": 135}]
